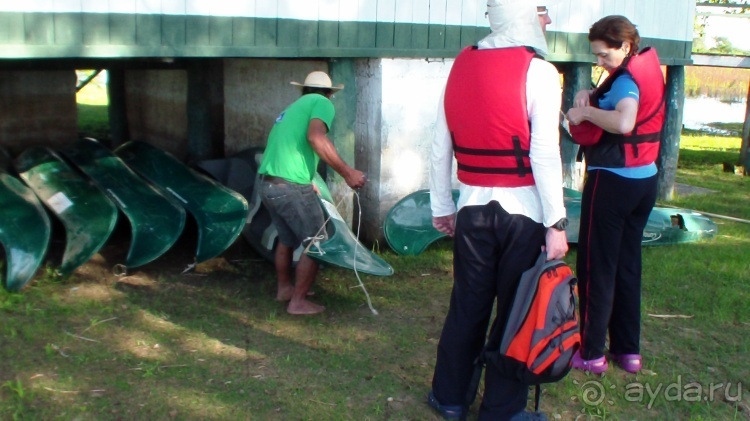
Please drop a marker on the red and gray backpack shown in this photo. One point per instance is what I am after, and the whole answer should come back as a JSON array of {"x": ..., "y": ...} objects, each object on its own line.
[{"x": 542, "y": 332}]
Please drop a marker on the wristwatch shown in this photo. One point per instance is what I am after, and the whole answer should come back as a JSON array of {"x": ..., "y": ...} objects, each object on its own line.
[{"x": 560, "y": 225}]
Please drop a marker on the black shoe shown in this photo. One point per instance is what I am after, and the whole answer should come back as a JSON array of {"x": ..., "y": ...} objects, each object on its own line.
[{"x": 448, "y": 412}]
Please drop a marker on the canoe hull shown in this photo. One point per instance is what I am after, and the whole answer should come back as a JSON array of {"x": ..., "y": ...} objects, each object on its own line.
[
  {"x": 84, "y": 211},
  {"x": 219, "y": 212},
  {"x": 24, "y": 231},
  {"x": 156, "y": 221}
]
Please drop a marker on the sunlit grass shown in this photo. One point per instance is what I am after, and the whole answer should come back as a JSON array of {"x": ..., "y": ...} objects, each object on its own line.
[
  {"x": 95, "y": 92},
  {"x": 93, "y": 102},
  {"x": 710, "y": 143}
]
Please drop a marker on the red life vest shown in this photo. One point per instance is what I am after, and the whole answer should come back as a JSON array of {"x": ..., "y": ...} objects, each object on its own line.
[
  {"x": 641, "y": 145},
  {"x": 485, "y": 108}
]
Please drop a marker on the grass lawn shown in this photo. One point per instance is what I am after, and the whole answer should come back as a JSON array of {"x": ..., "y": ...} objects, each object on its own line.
[
  {"x": 214, "y": 345},
  {"x": 93, "y": 118}
]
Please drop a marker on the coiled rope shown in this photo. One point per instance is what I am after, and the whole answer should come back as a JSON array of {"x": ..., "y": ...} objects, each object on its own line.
[{"x": 315, "y": 240}]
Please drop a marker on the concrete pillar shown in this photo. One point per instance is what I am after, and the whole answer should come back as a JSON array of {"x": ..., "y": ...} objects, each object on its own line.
[
  {"x": 396, "y": 114},
  {"x": 576, "y": 77},
  {"x": 670, "y": 139}
]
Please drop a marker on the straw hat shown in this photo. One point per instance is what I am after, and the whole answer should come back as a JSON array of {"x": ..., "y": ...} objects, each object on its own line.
[{"x": 319, "y": 79}]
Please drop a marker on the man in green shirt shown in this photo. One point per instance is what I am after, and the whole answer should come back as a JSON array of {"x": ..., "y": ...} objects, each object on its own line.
[{"x": 297, "y": 142}]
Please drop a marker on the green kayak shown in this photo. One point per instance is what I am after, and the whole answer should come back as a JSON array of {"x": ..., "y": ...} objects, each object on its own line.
[
  {"x": 24, "y": 231},
  {"x": 342, "y": 248},
  {"x": 156, "y": 221},
  {"x": 85, "y": 212},
  {"x": 408, "y": 225},
  {"x": 219, "y": 212}
]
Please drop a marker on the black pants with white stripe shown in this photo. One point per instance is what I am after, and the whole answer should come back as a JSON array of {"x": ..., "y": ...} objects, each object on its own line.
[
  {"x": 491, "y": 250},
  {"x": 614, "y": 212}
]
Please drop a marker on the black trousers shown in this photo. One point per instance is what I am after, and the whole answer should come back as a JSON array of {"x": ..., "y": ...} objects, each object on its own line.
[
  {"x": 614, "y": 212},
  {"x": 491, "y": 250}
]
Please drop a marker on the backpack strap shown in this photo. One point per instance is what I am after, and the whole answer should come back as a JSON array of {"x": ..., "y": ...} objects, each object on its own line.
[{"x": 476, "y": 377}]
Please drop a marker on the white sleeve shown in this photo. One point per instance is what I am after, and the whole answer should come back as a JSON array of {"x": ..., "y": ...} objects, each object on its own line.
[
  {"x": 543, "y": 95},
  {"x": 441, "y": 163}
]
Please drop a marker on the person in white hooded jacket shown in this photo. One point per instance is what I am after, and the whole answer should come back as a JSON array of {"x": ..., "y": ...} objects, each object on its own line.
[{"x": 499, "y": 117}]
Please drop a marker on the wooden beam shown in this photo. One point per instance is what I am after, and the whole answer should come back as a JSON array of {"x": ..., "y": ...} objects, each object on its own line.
[
  {"x": 715, "y": 60},
  {"x": 205, "y": 110},
  {"x": 119, "y": 130},
  {"x": 88, "y": 79},
  {"x": 670, "y": 139},
  {"x": 343, "y": 137}
]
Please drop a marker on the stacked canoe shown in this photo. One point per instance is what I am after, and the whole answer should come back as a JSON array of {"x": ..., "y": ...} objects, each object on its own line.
[{"x": 87, "y": 187}]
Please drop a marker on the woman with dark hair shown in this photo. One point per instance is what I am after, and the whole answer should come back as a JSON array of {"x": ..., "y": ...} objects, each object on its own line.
[{"x": 618, "y": 126}]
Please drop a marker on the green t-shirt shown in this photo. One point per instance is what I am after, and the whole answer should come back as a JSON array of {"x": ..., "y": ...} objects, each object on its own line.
[{"x": 288, "y": 153}]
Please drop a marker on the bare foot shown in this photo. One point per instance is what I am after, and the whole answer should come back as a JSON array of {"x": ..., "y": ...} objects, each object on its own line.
[
  {"x": 285, "y": 294},
  {"x": 304, "y": 307}
]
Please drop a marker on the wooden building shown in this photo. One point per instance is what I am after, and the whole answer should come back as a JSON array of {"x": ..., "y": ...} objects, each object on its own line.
[{"x": 206, "y": 78}]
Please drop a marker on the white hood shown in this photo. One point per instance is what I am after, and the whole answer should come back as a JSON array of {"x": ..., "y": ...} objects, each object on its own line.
[{"x": 514, "y": 23}]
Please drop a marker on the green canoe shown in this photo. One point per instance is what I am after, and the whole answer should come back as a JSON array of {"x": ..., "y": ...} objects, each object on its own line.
[
  {"x": 5, "y": 159},
  {"x": 665, "y": 226},
  {"x": 85, "y": 212},
  {"x": 24, "y": 231},
  {"x": 342, "y": 248},
  {"x": 408, "y": 225},
  {"x": 219, "y": 212},
  {"x": 156, "y": 221}
]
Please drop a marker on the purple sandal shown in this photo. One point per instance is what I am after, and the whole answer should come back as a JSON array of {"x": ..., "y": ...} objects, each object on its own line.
[
  {"x": 632, "y": 363},
  {"x": 596, "y": 366}
]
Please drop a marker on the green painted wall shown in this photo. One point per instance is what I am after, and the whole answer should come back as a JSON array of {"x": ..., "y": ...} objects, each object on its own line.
[{"x": 92, "y": 35}]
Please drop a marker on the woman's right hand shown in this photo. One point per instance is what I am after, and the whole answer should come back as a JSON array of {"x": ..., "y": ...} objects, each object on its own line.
[{"x": 582, "y": 99}]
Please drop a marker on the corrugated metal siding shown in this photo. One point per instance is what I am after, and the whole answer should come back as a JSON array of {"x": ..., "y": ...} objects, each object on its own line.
[{"x": 307, "y": 28}]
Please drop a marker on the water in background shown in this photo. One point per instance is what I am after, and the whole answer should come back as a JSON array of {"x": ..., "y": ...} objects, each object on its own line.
[{"x": 700, "y": 111}]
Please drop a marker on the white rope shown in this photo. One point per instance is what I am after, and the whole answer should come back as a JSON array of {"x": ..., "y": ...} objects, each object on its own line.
[
  {"x": 354, "y": 266},
  {"x": 318, "y": 236},
  {"x": 189, "y": 268},
  {"x": 315, "y": 240}
]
